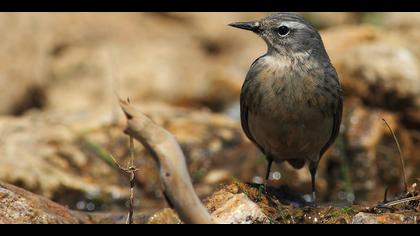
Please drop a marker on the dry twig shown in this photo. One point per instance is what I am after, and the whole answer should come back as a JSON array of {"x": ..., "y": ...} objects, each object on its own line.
[
  {"x": 131, "y": 170},
  {"x": 401, "y": 201},
  {"x": 174, "y": 175}
]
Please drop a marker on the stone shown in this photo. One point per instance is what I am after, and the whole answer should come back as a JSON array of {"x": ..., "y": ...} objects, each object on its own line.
[
  {"x": 323, "y": 20},
  {"x": 18, "y": 206},
  {"x": 367, "y": 152},
  {"x": 40, "y": 153},
  {"x": 165, "y": 216},
  {"x": 388, "y": 218},
  {"x": 376, "y": 65},
  {"x": 75, "y": 62},
  {"x": 217, "y": 176},
  {"x": 66, "y": 155},
  {"x": 239, "y": 209}
]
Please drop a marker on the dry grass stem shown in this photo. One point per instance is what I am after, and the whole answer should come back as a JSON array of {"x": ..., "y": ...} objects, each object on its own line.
[{"x": 401, "y": 155}]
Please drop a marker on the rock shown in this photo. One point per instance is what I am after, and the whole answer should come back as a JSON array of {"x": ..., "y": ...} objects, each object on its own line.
[
  {"x": 40, "y": 153},
  {"x": 227, "y": 206},
  {"x": 372, "y": 61},
  {"x": 365, "y": 158},
  {"x": 401, "y": 20},
  {"x": 363, "y": 161},
  {"x": 209, "y": 141},
  {"x": 233, "y": 204},
  {"x": 383, "y": 74},
  {"x": 165, "y": 216},
  {"x": 239, "y": 209},
  {"x": 78, "y": 63},
  {"x": 115, "y": 217},
  {"x": 19, "y": 206},
  {"x": 66, "y": 155},
  {"x": 23, "y": 76},
  {"x": 386, "y": 218},
  {"x": 21, "y": 95},
  {"x": 238, "y": 204},
  {"x": 74, "y": 62},
  {"x": 217, "y": 176},
  {"x": 364, "y": 127},
  {"x": 380, "y": 66},
  {"x": 338, "y": 40},
  {"x": 330, "y": 19}
]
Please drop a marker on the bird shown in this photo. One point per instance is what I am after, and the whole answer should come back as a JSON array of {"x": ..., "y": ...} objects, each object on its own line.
[{"x": 291, "y": 100}]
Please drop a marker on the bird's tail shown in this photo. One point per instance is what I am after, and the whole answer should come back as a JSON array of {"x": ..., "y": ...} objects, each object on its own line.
[{"x": 296, "y": 163}]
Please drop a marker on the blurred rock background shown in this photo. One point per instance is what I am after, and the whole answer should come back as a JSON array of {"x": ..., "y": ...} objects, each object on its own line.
[{"x": 59, "y": 120}]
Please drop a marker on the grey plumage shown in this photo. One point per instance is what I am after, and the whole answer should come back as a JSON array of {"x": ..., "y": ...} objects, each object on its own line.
[{"x": 291, "y": 99}]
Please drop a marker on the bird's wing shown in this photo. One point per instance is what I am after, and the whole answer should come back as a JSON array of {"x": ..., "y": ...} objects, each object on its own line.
[
  {"x": 245, "y": 97},
  {"x": 244, "y": 118},
  {"x": 336, "y": 121},
  {"x": 244, "y": 112}
]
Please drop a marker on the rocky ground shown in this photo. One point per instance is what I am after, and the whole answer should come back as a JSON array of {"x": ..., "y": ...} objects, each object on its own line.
[{"x": 59, "y": 120}]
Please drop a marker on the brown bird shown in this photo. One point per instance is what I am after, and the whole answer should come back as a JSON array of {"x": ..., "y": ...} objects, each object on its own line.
[{"x": 291, "y": 100}]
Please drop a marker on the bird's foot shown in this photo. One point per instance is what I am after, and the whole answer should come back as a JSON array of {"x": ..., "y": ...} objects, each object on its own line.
[
  {"x": 262, "y": 188},
  {"x": 310, "y": 201},
  {"x": 312, "y": 204},
  {"x": 313, "y": 200}
]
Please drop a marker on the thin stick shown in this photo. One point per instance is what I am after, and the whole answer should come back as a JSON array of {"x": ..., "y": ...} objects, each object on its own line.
[
  {"x": 131, "y": 169},
  {"x": 401, "y": 155},
  {"x": 132, "y": 181},
  {"x": 397, "y": 202}
]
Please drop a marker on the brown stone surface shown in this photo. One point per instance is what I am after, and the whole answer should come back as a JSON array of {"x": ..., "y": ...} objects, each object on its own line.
[{"x": 19, "y": 206}]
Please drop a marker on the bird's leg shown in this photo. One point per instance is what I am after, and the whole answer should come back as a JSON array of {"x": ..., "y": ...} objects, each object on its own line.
[
  {"x": 313, "y": 166},
  {"x": 267, "y": 174}
]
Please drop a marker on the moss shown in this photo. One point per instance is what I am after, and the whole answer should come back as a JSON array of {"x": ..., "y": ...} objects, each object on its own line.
[{"x": 278, "y": 213}]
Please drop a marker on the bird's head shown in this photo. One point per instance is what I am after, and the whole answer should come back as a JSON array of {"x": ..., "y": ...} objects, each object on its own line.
[{"x": 285, "y": 33}]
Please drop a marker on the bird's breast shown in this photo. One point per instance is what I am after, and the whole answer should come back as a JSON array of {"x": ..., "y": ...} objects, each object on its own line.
[
  {"x": 289, "y": 114},
  {"x": 291, "y": 84}
]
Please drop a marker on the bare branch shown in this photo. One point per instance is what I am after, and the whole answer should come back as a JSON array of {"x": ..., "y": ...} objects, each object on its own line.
[
  {"x": 174, "y": 175},
  {"x": 401, "y": 201}
]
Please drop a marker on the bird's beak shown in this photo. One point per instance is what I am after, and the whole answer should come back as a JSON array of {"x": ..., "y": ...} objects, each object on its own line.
[{"x": 253, "y": 26}]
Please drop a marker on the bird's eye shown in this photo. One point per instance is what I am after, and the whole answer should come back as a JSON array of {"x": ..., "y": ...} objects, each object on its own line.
[{"x": 283, "y": 30}]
